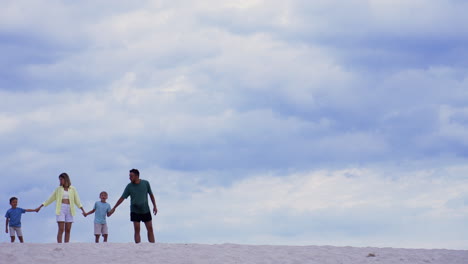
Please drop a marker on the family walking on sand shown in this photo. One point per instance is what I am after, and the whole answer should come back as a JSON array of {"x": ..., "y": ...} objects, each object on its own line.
[{"x": 66, "y": 198}]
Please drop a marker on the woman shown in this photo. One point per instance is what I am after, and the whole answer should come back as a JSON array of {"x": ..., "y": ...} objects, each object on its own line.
[{"x": 66, "y": 198}]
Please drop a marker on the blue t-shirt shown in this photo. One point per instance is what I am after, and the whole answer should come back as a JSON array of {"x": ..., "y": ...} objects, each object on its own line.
[
  {"x": 15, "y": 216},
  {"x": 101, "y": 212}
]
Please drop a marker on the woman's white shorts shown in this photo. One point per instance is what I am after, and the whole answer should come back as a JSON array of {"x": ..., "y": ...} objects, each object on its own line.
[{"x": 65, "y": 214}]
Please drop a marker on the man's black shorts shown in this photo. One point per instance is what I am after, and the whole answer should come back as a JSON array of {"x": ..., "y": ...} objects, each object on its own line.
[{"x": 134, "y": 217}]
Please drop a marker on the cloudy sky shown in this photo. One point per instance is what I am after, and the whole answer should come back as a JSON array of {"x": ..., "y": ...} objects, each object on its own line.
[{"x": 289, "y": 122}]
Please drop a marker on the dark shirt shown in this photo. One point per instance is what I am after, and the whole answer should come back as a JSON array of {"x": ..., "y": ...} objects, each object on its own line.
[{"x": 139, "y": 196}]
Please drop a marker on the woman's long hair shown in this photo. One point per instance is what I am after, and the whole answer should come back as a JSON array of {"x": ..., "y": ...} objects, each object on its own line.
[{"x": 66, "y": 179}]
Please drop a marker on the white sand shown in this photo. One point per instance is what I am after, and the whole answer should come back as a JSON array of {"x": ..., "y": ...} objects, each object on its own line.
[{"x": 128, "y": 253}]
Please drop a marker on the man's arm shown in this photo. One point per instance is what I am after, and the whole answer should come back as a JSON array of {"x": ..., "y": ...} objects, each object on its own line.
[
  {"x": 6, "y": 225},
  {"x": 108, "y": 211},
  {"x": 30, "y": 210},
  {"x": 116, "y": 205},
  {"x": 155, "y": 208}
]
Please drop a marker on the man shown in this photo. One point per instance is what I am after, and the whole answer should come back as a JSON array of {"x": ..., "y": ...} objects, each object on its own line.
[{"x": 138, "y": 190}]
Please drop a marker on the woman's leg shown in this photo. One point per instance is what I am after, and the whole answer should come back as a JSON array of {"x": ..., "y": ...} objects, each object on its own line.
[
  {"x": 68, "y": 227},
  {"x": 61, "y": 228}
]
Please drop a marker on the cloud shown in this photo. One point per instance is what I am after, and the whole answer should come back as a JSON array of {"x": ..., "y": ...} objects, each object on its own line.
[{"x": 322, "y": 207}]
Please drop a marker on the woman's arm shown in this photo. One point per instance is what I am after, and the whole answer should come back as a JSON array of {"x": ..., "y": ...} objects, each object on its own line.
[
  {"x": 51, "y": 199},
  {"x": 39, "y": 208},
  {"x": 76, "y": 199},
  {"x": 6, "y": 225}
]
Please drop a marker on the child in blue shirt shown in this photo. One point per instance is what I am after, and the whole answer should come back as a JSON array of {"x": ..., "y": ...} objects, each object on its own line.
[
  {"x": 13, "y": 220},
  {"x": 102, "y": 209}
]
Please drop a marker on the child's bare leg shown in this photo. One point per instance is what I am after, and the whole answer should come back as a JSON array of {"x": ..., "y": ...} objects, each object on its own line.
[
  {"x": 105, "y": 237},
  {"x": 97, "y": 238},
  {"x": 21, "y": 239},
  {"x": 12, "y": 238}
]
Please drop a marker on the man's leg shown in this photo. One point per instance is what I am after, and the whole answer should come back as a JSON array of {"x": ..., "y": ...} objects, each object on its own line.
[
  {"x": 136, "y": 226},
  {"x": 61, "y": 229},
  {"x": 105, "y": 237},
  {"x": 68, "y": 227},
  {"x": 21, "y": 239},
  {"x": 12, "y": 239},
  {"x": 149, "y": 228},
  {"x": 97, "y": 238}
]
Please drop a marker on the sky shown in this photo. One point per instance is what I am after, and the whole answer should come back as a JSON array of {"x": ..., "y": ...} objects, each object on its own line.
[{"x": 287, "y": 122}]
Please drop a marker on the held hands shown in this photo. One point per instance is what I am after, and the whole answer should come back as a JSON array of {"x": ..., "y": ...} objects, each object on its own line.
[
  {"x": 111, "y": 211},
  {"x": 39, "y": 208}
]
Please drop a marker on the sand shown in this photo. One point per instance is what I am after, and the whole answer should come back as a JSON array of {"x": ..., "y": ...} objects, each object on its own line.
[{"x": 127, "y": 253}]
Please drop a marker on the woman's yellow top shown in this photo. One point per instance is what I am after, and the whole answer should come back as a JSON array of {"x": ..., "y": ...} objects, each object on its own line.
[{"x": 57, "y": 197}]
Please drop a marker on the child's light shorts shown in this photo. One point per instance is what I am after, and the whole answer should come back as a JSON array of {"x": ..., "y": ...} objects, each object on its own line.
[
  {"x": 100, "y": 229},
  {"x": 17, "y": 230},
  {"x": 65, "y": 214}
]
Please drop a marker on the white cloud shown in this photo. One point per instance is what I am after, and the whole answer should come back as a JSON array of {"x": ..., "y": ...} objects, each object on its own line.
[
  {"x": 7, "y": 123},
  {"x": 308, "y": 198},
  {"x": 344, "y": 189}
]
